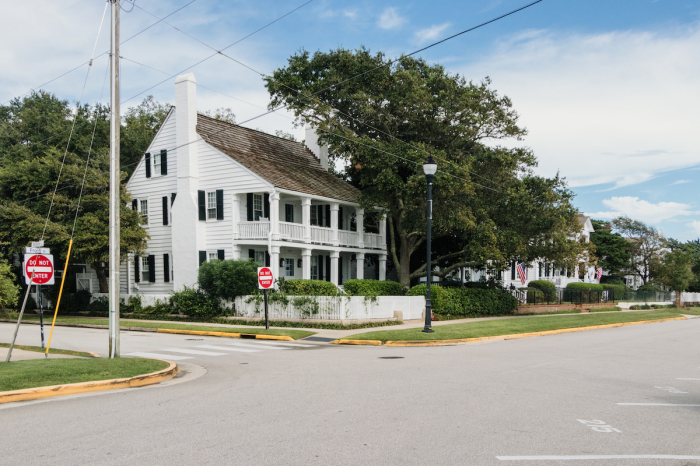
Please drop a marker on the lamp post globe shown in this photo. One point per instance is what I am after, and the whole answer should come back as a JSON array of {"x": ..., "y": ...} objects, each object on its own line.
[{"x": 429, "y": 168}]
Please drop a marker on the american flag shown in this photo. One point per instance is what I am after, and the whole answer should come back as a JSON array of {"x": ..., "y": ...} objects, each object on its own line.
[{"x": 522, "y": 272}]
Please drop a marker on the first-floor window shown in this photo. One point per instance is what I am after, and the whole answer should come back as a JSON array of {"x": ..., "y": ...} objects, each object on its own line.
[
  {"x": 260, "y": 258},
  {"x": 211, "y": 205},
  {"x": 314, "y": 267},
  {"x": 144, "y": 212},
  {"x": 212, "y": 256},
  {"x": 289, "y": 267},
  {"x": 257, "y": 206},
  {"x": 144, "y": 268}
]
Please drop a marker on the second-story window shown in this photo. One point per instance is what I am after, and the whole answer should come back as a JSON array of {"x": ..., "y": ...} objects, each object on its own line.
[
  {"x": 156, "y": 163},
  {"x": 257, "y": 206},
  {"x": 314, "y": 218},
  {"x": 289, "y": 213},
  {"x": 144, "y": 212},
  {"x": 211, "y": 205}
]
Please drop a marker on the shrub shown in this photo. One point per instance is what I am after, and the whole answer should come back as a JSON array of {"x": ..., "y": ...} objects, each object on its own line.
[
  {"x": 611, "y": 280},
  {"x": 475, "y": 302},
  {"x": 73, "y": 303},
  {"x": 99, "y": 307},
  {"x": 299, "y": 287},
  {"x": 645, "y": 306},
  {"x": 436, "y": 295},
  {"x": 370, "y": 287},
  {"x": 195, "y": 303},
  {"x": 224, "y": 280},
  {"x": 618, "y": 290},
  {"x": 548, "y": 288},
  {"x": 649, "y": 287},
  {"x": 8, "y": 290},
  {"x": 636, "y": 307},
  {"x": 584, "y": 286}
]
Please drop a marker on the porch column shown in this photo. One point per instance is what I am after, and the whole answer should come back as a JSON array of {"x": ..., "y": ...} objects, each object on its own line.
[
  {"x": 360, "y": 265},
  {"x": 334, "y": 267},
  {"x": 275, "y": 215},
  {"x": 360, "y": 221},
  {"x": 382, "y": 267},
  {"x": 306, "y": 264},
  {"x": 306, "y": 218},
  {"x": 382, "y": 232},
  {"x": 235, "y": 215},
  {"x": 334, "y": 223},
  {"x": 275, "y": 261}
]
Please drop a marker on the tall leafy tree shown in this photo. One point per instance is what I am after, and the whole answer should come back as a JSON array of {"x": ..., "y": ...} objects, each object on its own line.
[
  {"x": 676, "y": 272},
  {"x": 34, "y": 133},
  {"x": 646, "y": 246},
  {"x": 612, "y": 248},
  {"x": 488, "y": 206}
]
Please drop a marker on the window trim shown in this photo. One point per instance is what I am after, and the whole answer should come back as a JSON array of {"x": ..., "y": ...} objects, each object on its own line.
[
  {"x": 140, "y": 210},
  {"x": 145, "y": 270},
  {"x": 287, "y": 263},
  {"x": 256, "y": 217},
  {"x": 211, "y": 200},
  {"x": 156, "y": 163},
  {"x": 210, "y": 254}
]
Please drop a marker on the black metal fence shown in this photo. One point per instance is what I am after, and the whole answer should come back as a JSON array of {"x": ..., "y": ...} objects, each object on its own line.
[{"x": 589, "y": 296}]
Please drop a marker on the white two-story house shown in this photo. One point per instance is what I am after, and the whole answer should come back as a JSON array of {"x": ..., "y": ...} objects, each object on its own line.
[{"x": 208, "y": 190}]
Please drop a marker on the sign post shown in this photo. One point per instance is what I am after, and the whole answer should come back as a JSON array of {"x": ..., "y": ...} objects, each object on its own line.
[
  {"x": 39, "y": 262},
  {"x": 265, "y": 281}
]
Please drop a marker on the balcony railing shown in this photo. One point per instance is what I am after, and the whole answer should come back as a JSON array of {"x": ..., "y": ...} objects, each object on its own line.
[
  {"x": 292, "y": 231},
  {"x": 348, "y": 238},
  {"x": 321, "y": 235},
  {"x": 373, "y": 240},
  {"x": 253, "y": 230}
]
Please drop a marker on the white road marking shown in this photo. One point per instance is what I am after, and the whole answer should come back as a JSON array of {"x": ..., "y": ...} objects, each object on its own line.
[
  {"x": 597, "y": 457},
  {"x": 685, "y": 379},
  {"x": 652, "y": 404},
  {"x": 159, "y": 356},
  {"x": 670, "y": 389},
  {"x": 599, "y": 426},
  {"x": 275, "y": 343},
  {"x": 247, "y": 345},
  {"x": 240, "y": 350},
  {"x": 192, "y": 351}
]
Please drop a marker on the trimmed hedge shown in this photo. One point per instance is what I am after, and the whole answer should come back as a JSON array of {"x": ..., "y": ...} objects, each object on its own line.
[
  {"x": 618, "y": 290},
  {"x": 469, "y": 302},
  {"x": 369, "y": 287},
  {"x": 224, "y": 280},
  {"x": 649, "y": 287},
  {"x": 585, "y": 286},
  {"x": 195, "y": 303},
  {"x": 301, "y": 287},
  {"x": 548, "y": 288}
]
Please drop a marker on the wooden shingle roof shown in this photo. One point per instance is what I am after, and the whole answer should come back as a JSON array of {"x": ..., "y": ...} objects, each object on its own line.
[{"x": 283, "y": 163}]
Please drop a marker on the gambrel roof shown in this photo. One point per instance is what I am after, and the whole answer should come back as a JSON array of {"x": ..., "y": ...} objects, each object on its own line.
[{"x": 283, "y": 163}]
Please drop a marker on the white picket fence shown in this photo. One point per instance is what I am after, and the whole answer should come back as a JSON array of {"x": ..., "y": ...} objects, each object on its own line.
[{"x": 334, "y": 308}]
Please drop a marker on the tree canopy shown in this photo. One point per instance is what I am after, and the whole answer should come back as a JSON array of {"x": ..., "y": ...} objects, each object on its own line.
[
  {"x": 489, "y": 207},
  {"x": 645, "y": 245},
  {"x": 612, "y": 248}
]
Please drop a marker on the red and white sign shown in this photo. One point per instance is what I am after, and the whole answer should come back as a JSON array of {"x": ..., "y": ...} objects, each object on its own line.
[
  {"x": 42, "y": 266},
  {"x": 265, "y": 278}
]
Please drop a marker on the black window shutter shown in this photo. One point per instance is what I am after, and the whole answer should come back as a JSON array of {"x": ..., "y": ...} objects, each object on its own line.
[
  {"x": 512, "y": 270},
  {"x": 219, "y": 204},
  {"x": 220, "y": 254},
  {"x": 249, "y": 204},
  {"x": 328, "y": 268},
  {"x": 137, "y": 269},
  {"x": 166, "y": 268},
  {"x": 164, "y": 162},
  {"x": 340, "y": 271},
  {"x": 251, "y": 253},
  {"x": 152, "y": 268},
  {"x": 267, "y": 206},
  {"x": 202, "y": 257},
  {"x": 201, "y": 198},
  {"x": 320, "y": 267},
  {"x": 148, "y": 165},
  {"x": 165, "y": 210},
  {"x": 267, "y": 259},
  {"x": 172, "y": 198},
  {"x": 328, "y": 216},
  {"x": 135, "y": 204},
  {"x": 340, "y": 219}
]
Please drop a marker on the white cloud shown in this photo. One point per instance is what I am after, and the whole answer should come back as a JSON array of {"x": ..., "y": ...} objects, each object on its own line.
[
  {"x": 350, "y": 14},
  {"x": 431, "y": 33},
  {"x": 680, "y": 182},
  {"x": 613, "y": 108},
  {"x": 642, "y": 210},
  {"x": 390, "y": 19},
  {"x": 695, "y": 225}
]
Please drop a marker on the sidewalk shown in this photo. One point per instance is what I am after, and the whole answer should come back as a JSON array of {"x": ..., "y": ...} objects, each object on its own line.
[{"x": 22, "y": 355}]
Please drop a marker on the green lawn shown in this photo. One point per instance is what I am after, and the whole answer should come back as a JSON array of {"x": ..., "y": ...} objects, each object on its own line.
[
  {"x": 606, "y": 309},
  {"x": 39, "y": 349},
  {"x": 511, "y": 326},
  {"x": 45, "y": 372},
  {"x": 296, "y": 334}
]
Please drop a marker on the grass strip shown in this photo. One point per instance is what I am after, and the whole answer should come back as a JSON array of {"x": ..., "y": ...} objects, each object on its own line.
[
  {"x": 39, "y": 349},
  {"x": 296, "y": 334},
  {"x": 606, "y": 309},
  {"x": 46, "y": 372},
  {"x": 512, "y": 326}
]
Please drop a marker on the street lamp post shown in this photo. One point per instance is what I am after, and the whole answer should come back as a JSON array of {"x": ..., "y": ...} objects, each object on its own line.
[{"x": 429, "y": 168}]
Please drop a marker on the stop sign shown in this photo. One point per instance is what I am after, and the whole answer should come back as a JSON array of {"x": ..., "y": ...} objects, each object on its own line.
[
  {"x": 265, "y": 278},
  {"x": 42, "y": 267}
]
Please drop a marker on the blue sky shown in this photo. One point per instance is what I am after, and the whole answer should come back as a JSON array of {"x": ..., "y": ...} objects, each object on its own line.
[{"x": 607, "y": 90}]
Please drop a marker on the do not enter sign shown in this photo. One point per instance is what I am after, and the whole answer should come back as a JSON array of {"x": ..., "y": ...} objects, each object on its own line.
[
  {"x": 42, "y": 267},
  {"x": 265, "y": 278}
]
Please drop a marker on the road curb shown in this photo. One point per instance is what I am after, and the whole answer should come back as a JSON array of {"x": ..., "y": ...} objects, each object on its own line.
[
  {"x": 169, "y": 330},
  {"x": 94, "y": 386},
  {"x": 514, "y": 336}
]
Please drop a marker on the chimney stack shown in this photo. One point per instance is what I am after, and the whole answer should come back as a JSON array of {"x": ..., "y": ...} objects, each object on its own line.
[{"x": 321, "y": 152}]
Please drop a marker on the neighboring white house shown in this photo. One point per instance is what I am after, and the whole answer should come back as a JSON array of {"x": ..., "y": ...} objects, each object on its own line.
[
  {"x": 541, "y": 269},
  {"x": 207, "y": 190}
]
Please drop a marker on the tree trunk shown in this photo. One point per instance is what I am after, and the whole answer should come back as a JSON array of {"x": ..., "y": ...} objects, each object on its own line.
[
  {"x": 678, "y": 299},
  {"x": 405, "y": 259},
  {"x": 101, "y": 277}
]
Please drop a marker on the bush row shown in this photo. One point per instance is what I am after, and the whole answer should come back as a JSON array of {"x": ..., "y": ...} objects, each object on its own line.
[{"x": 468, "y": 302}]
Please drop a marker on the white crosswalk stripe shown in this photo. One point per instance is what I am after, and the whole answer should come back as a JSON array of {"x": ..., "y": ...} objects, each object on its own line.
[
  {"x": 223, "y": 348},
  {"x": 193, "y": 351},
  {"x": 280, "y": 343},
  {"x": 258, "y": 347},
  {"x": 159, "y": 356}
]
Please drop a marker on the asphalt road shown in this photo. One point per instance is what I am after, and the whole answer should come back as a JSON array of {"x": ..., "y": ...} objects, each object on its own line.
[{"x": 503, "y": 402}]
